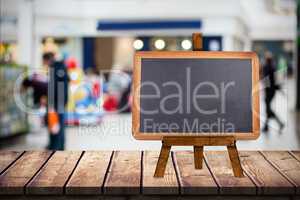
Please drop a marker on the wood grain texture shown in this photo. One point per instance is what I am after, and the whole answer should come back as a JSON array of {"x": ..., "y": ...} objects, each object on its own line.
[
  {"x": 151, "y": 197},
  {"x": 219, "y": 164},
  {"x": 198, "y": 141},
  {"x": 166, "y": 185},
  {"x": 194, "y": 54},
  {"x": 286, "y": 164},
  {"x": 275, "y": 173},
  {"x": 88, "y": 177},
  {"x": 53, "y": 176},
  {"x": 8, "y": 157},
  {"x": 198, "y": 157},
  {"x": 193, "y": 181},
  {"x": 13, "y": 180},
  {"x": 124, "y": 175},
  {"x": 136, "y": 88},
  {"x": 162, "y": 161},
  {"x": 265, "y": 176},
  {"x": 296, "y": 154},
  {"x": 197, "y": 41},
  {"x": 235, "y": 161},
  {"x": 255, "y": 99}
]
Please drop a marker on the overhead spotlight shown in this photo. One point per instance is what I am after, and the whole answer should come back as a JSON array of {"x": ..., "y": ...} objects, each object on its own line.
[
  {"x": 159, "y": 44},
  {"x": 138, "y": 44},
  {"x": 186, "y": 44}
]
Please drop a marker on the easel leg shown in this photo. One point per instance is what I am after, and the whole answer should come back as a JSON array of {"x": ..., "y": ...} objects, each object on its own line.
[
  {"x": 162, "y": 161},
  {"x": 198, "y": 156},
  {"x": 235, "y": 161}
]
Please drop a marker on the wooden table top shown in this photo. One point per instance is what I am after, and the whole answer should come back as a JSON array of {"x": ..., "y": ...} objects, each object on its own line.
[{"x": 131, "y": 173}]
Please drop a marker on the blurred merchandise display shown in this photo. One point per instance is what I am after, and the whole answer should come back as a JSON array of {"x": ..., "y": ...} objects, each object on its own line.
[
  {"x": 8, "y": 52},
  {"x": 84, "y": 106},
  {"x": 118, "y": 97},
  {"x": 12, "y": 120}
]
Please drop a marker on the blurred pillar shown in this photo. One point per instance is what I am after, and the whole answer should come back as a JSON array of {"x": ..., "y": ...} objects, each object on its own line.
[
  {"x": 227, "y": 43},
  {"x": 37, "y": 51},
  {"x": 248, "y": 44},
  {"x": 123, "y": 53},
  {"x": 25, "y": 35}
]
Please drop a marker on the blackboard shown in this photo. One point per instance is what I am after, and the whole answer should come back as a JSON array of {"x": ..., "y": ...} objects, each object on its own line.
[{"x": 195, "y": 93}]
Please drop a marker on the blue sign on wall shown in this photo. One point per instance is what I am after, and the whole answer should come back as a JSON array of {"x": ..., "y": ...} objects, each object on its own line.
[{"x": 148, "y": 25}]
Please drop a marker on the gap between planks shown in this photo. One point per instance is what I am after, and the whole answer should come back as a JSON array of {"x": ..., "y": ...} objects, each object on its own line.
[
  {"x": 193, "y": 181},
  {"x": 12, "y": 161},
  {"x": 211, "y": 173},
  {"x": 174, "y": 163},
  {"x": 177, "y": 173},
  {"x": 291, "y": 168},
  {"x": 84, "y": 183},
  {"x": 37, "y": 172},
  {"x": 107, "y": 170},
  {"x": 11, "y": 185},
  {"x": 279, "y": 171},
  {"x": 295, "y": 154},
  {"x": 220, "y": 167},
  {"x": 77, "y": 163}
]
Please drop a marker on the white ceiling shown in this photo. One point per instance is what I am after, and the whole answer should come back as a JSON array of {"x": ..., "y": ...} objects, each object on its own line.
[{"x": 259, "y": 15}]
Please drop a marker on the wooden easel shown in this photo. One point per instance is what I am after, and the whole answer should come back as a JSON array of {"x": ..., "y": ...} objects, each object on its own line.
[{"x": 198, "y": 142}]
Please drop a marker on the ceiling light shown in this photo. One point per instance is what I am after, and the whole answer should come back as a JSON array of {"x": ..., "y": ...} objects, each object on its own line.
[
  {"x": 159, "y": 44},
  {"x": 138, "y": 44},
  {"x": 186, "y": 44}
]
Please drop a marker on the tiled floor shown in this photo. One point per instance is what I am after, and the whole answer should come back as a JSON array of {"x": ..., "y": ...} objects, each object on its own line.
[{"x": 114, "y": 133}]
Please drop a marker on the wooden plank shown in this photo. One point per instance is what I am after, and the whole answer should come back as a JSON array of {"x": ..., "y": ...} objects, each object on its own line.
[
  {"x": 193, "y": 181},
  {"x": 296, "y": 154},
  {"x": 124, "y": 175},
  {"x": 219, "y": 164},
  {"x": 13, "y": 180},
  {"x": 53, "y": 176},
  {"x": 7, "y": 158},
  {"x": 286, "y": 164},
  {"x": 150, "y": 197},
  {"x": 295, "y": 197},
  {"x": 59, "y": 197},
  {"x": 163, "y": 185},
  {"x": 89, "y": 174},
  {"x": 268, "y": 180}
]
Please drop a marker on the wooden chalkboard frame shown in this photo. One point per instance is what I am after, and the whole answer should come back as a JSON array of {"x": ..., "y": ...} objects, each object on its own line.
[{"x": 195, "y": 54}]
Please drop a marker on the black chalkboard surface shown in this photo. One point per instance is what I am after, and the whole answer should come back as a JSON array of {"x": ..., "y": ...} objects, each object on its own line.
[{"x": 195, "y": 93}]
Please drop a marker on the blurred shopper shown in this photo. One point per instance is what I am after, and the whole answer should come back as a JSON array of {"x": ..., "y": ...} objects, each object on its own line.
[
  {"x": 57, "y": 100},
  {"x": 39, "y": 87},
  {"x": 270, "y": 91},
  {"x": 38, "y": 83}
]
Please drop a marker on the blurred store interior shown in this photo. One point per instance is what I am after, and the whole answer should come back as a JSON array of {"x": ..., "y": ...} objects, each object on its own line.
[{"x": 97, "y": 41}]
